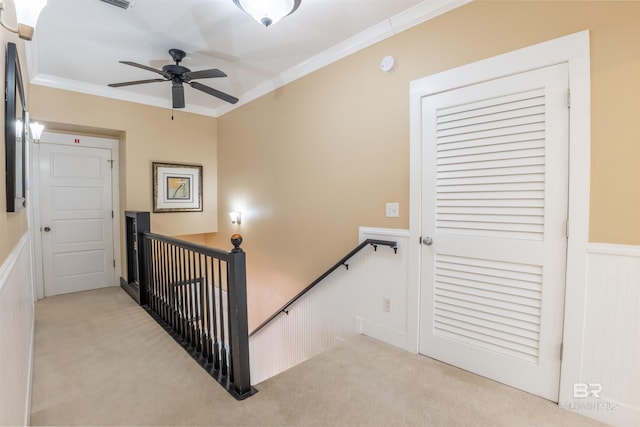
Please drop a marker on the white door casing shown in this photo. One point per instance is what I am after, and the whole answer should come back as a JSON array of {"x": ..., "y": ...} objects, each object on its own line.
[
  {"x": 574, "y": 51},
  {"x": 75, "y": 195},
  {"x": 495, "y": 206}
]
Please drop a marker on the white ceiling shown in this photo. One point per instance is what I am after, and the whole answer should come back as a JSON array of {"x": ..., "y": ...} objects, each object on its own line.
[{"x": 78, "y": 43}]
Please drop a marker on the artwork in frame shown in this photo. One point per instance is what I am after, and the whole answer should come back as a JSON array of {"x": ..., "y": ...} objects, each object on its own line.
[
  {"x": 177, "y": 187},
  {"x": 15, "y": 132}
]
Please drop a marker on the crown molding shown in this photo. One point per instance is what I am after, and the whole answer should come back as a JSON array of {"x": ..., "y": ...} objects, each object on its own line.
[
  {"x": 416, "y": 15},
  {"x": 108, "y": 92},
  {"x": 411, "y": 17}
]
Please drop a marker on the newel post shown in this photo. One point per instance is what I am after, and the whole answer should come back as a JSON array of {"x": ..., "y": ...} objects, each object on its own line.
[{"x": 238, "y": 323}]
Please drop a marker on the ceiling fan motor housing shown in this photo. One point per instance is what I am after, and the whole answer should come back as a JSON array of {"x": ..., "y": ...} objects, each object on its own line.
[
  {"x": 177, "y": 75},
  {"x": 175, "y": 70}
]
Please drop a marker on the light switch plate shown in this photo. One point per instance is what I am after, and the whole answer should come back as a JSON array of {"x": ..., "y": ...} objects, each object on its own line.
[{"x": 393, "y": 210}]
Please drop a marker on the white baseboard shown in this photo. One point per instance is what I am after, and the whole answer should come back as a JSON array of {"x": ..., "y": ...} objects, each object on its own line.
[
  {"x": 605, "y": 410},
  {"x": 390, "y": 336}
]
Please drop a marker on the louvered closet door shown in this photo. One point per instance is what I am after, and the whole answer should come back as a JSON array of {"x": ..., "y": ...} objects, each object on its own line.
[{"x": 495, "y": 195}]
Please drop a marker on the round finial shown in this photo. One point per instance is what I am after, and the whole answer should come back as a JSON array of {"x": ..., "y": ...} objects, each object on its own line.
[{"x": 236, "y": 240}]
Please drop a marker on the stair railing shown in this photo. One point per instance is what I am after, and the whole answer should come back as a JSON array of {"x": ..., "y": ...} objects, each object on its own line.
[
  {"x": 342, "y": 263},
  {"x": 199, "y": 295}
]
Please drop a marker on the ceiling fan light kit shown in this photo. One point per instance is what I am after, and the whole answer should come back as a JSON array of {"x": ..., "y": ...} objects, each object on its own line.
[
  {"x": 268, "y": 12},
  {"x": 178, "y": 75}
]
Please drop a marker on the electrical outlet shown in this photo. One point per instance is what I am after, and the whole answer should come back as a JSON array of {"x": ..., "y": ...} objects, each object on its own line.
[
  {"x": 393, "y": 210},
  {"x": 386, "y": 305}
]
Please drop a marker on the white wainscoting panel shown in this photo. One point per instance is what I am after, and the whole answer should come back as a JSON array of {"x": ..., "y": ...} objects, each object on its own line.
[
  {"x": 16, "y": 335},
  {"x": 383, "y": 296},
  {"x": 611, "y": 356},
  {"x": 330, "y": 313}
]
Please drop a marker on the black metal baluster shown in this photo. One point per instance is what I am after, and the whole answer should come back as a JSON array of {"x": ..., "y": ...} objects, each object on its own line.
[
  {"x": 166, "y": 283},
  {"x": 216, "y": 316},
  {"x": 230, "y": 284},
  {"x": 191, "y": 297},
  {"x": 175, "y": 322},
  {"x": 197, "y": 305},
  {"x": 148, "y": 259},
  {"x": 184, "y": 289},
  {"x": 223, "y": 350},
  {"x": 183, "y": 296},
  {"x": 194, "y": 303},
  {"x": 210, "y": 312},
  {"x": 164, "y": 312},
  {"x": 157, "y": 276}
]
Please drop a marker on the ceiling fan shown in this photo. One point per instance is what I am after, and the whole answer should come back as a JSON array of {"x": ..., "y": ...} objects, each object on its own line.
[{"x": 177, "y": 75}]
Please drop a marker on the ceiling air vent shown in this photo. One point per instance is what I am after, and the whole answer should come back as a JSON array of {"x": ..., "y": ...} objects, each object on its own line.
[{"x": 120, "y": 3}]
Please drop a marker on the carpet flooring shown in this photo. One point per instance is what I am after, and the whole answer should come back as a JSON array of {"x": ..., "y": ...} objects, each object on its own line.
[{"x": 100, "y": 360}]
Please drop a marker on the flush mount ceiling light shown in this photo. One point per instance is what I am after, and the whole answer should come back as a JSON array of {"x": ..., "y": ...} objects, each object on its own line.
[{"x": 268, "y": 12}]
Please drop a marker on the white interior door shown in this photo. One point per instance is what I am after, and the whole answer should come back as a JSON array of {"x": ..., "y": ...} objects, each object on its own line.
[
  {"x": 76, "y": 218},
  {"x": 494, "y": 203}
]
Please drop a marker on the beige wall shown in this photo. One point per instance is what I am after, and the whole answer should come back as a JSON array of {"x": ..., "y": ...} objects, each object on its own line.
[
  {"x": 147, "y": 134},
  {"x": 12, "y": 225},
  {"x": 312, "y": 161}
]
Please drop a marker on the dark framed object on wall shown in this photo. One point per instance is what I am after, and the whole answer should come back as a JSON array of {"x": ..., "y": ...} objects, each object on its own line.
[
  {"x": 15, "y": 132},
  {"x": 177, "y": 187}
]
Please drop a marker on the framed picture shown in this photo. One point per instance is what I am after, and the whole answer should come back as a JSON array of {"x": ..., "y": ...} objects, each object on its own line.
[
  {"x": 15, "y": 136},
  {"x": 177, "y": 187}
]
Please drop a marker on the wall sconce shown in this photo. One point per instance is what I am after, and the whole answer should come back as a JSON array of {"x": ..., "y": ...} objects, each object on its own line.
[
  {"x": 236, "y": 217},
  {"x": 27, "y": 12},
  {"x": 36, "y": 131}
]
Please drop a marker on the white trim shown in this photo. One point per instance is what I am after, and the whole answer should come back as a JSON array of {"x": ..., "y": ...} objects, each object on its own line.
[
  {"x": 574, "y": 50},
  {"x": 611, "y": 249},
  {"x": 86, "y": 141},
  {"x": 416, "y": 15},
  {"x": 34, "y": 225},
  {"x": 391, "y": 232},
  {"x": 7, "y": 266},
  {"x": 32, "y": 344},
  {"x": 113, "y": 93}
]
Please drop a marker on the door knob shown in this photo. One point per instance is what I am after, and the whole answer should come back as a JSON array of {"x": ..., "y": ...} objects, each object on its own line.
[
  {"x": 47, "y": 229},
  {"x": 427, "y": 241}
]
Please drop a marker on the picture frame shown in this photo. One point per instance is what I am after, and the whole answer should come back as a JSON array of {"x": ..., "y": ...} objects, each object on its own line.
[
  {"x": 177, "y": 187},
  {"x": 15, "y": 132}
]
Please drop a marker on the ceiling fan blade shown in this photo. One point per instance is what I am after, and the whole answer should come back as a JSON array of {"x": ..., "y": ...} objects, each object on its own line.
[
  {"x": 144, "y": 67},
  {"x": 177, "y": 93},
  {"x": 214, "y": 92},
  {"x": 204, "y": 74},
  {"x": 136, "y": 82}
]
